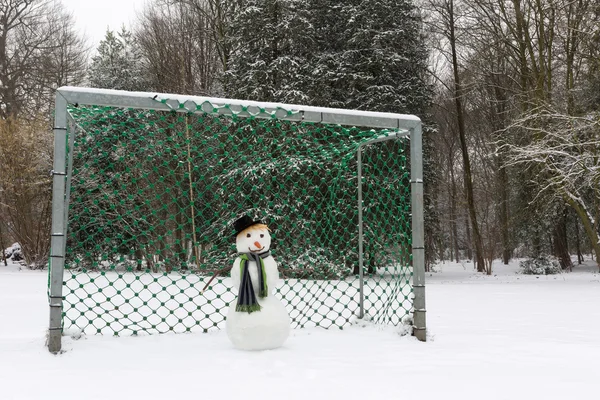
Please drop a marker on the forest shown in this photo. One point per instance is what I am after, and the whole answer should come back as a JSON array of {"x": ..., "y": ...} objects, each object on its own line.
[{"x": 508, "y": 92}]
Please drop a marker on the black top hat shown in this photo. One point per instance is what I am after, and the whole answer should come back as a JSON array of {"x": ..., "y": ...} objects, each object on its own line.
[{"x": 243, "y": 223}]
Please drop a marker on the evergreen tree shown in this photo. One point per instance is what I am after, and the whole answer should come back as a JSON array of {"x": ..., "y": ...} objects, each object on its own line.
[
  {"x": 269, "y": 45},
  {"x": 351, "y": 54},
  {"x": 370, "y": 55},
  {"x": 367, "y": 55},
  {"x": 118, "y": 64}
]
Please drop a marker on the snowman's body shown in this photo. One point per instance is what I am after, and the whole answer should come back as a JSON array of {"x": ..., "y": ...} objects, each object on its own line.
[{"x": 269, "y": 327}]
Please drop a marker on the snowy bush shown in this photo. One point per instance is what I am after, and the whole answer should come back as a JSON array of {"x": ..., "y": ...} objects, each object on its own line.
[
  {"x": 542, "y": 265},
  {"x": 314, "y": 264},
  {"x": 14, "y": 253}
]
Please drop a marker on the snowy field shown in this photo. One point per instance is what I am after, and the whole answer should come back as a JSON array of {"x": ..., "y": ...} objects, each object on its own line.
[{"x": 506, "y": 336}]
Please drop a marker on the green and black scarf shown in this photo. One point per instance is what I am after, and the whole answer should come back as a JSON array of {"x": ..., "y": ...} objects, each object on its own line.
[{"x": 246, "y": 297}]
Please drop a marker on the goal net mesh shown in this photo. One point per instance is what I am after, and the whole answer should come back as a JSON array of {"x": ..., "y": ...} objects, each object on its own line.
[{"x": 153, "y": 195}]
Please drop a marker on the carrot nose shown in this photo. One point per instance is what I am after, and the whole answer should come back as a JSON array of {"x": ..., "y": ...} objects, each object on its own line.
[{"x": 258, "y": 245}]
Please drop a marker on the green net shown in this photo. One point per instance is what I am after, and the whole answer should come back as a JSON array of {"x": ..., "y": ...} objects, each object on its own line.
[{"x": 154, "y": 194}]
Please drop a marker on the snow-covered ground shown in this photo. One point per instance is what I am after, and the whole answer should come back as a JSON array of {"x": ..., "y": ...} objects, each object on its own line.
[{"x": 505, "y": 336}]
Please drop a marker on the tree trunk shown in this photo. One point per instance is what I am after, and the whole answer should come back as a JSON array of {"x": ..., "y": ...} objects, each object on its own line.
[
  {"x": 536, "y": 244},
  {"x": 506, "y": 247},
  {"x": 453, "y": 216},
  {"x": 2, "y": 247},
  {"x": 561, "y": 245},
  {"x": 451, "y": 246},
  {"x": 590, "y": 229},
  {"x": 578, "y": 243},
  {"x": 370, "y": 263},
  {"x": 179, "y": 247},
  {"x": 139, "y": 255},
  {"x": 458, "y": 96},
  {"x": 469, "y": 242}
]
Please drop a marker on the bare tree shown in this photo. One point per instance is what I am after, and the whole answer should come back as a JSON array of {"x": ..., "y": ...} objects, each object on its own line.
[
  {"x": 38, "y": 51},
  {"x": 25, "y": 159},
  {"x": 567, "y": 157},
  {"x": 65, "y": 60},
  {"x": 2, "y": 245},
  {"x": 179, "y": 53},
  {"x": 516, "y": 57},
  {"x": 217, "y": 15},
  {"x": 447, "y": 28}
]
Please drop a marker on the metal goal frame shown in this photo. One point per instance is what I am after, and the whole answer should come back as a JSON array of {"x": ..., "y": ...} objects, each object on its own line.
[{"x": 402, "y": 125}]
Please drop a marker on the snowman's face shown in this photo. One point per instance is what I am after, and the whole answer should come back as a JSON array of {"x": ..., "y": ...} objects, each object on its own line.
[{"x": 255, "y": 239}]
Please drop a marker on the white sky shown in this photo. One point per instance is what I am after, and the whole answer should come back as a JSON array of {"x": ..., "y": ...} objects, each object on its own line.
[{"x": 94, "y": 16}]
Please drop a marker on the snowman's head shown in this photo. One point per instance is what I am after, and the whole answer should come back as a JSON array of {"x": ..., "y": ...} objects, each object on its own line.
[{"x": 254, "y": 239}]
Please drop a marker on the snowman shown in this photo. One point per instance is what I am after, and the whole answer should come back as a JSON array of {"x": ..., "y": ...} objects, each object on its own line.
[{"x": 256, "y": 320}]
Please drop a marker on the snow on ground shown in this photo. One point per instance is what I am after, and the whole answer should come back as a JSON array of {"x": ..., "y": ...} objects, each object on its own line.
[{"x": 505, "y": 336}]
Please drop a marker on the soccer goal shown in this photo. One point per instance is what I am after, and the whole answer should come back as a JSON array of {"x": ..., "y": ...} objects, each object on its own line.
[{"x": 146, "y": 187}]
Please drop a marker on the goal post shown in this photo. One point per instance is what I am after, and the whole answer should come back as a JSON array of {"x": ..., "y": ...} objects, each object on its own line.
[{"x": 146, "y": 185}]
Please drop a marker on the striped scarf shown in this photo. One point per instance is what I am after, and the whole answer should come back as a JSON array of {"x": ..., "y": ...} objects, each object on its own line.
[{"x": 246, "y": 297}]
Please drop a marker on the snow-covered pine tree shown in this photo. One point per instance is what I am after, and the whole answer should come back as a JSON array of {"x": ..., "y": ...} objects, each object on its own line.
[
  {"x": 367, "y": 55},
  {"x": 270, "y": 40},
  {"x": 349, "y": 54},
  {"x": 118, "y": 64},
  {"x": 370, "y": 55}
]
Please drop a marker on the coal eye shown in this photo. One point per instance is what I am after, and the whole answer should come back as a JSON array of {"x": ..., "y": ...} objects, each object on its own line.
[
  {"x": 248, "y": 235},
  {"x": 262, "y": 235}
]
